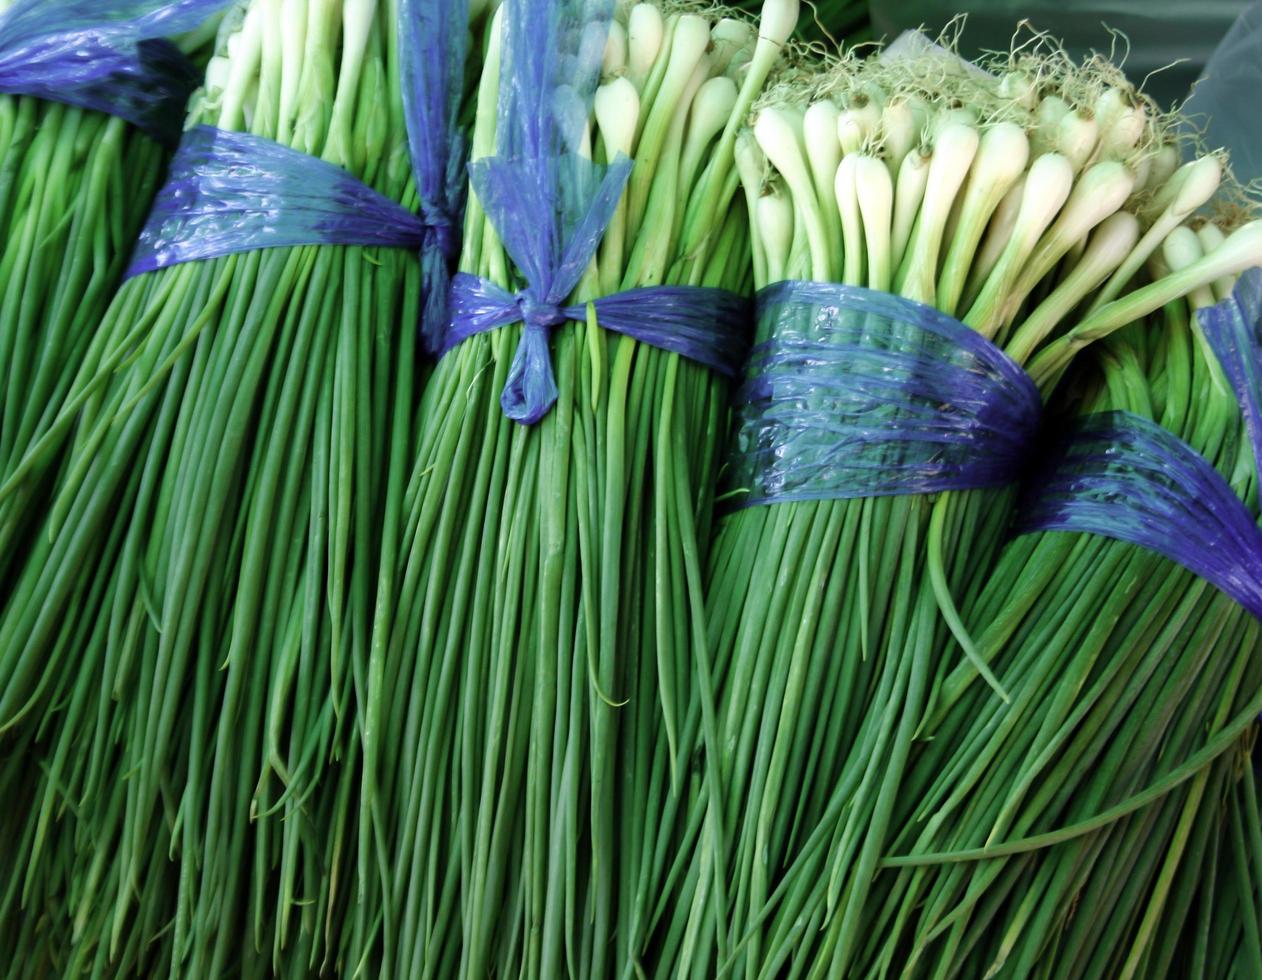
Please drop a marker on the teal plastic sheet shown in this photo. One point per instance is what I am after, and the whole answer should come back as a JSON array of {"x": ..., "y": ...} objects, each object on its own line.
[
  {"x": 1160, "y": 32},
  {"x": 1224, "y": 105}
]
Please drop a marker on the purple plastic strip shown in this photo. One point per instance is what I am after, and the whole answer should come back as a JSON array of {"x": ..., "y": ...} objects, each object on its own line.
[
  {"x": 704, "y": 325},
  {"x": 432, "y": 51},
  {"x": 1232, "y": 329},
  {"x": 233, "y": 192},
  {"x": 1127, "y": 478},
  {"x": 858, "y": 393},
  {"x": 105, "y": 55},
  {"x": 550, "y": 206}
]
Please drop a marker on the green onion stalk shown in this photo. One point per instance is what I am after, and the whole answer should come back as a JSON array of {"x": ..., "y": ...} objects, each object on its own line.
[
  {"x": 834, "y": 22},
  {"x": 1127, "y": 677},
  {"x": 1211, "y": 928},
  {"x": 180, "y": 657},
  {"x": 538, "y": 632},
  {"x": 1013, "y": 206},
  {"x": 75, "y": 186}
]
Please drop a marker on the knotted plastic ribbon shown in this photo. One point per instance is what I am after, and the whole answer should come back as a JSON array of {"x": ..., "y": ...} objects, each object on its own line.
[
  {"x": 433, "y": 41},
  {"x": 234, "y": 192},
  {"x": 105, "y": 55},
  {"x": 550, "y": 205},
  {"x": 852, "y": 392},
  {"x": 704, "y": 325},
  {"x": 1124, "y": 477}
]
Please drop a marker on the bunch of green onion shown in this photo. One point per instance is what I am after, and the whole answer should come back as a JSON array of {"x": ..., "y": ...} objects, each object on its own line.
[
  {"x": 185, "y": 651},
  {"x": 75, "y": 185},
  {"x": 1125, "y": 673},
  {"x": 539, "y": 616},
  {"x": 1022, "y": 202}
]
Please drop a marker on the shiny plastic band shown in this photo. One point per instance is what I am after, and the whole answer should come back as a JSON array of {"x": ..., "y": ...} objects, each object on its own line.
[
  {"x": 105, "y": 55},
  {"x": 1124, "y": 477},
  {"x": 550, "y": 206},
  {"x": 704, "y": 325},
  {"x": 233, "y": 192},
  {"x": 1232, "y": 328},
  {"x": 858, "y": 393}
]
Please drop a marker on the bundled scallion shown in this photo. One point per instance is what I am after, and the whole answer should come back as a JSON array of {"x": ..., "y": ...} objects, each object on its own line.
[
  {"x": 540, "y": 631},
  {"x": 1023, "y": 203},
  {"x": 75, "y": 185},
  {"x": 183, "y": 647},
  {"x": 1128, "y": 675}
]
